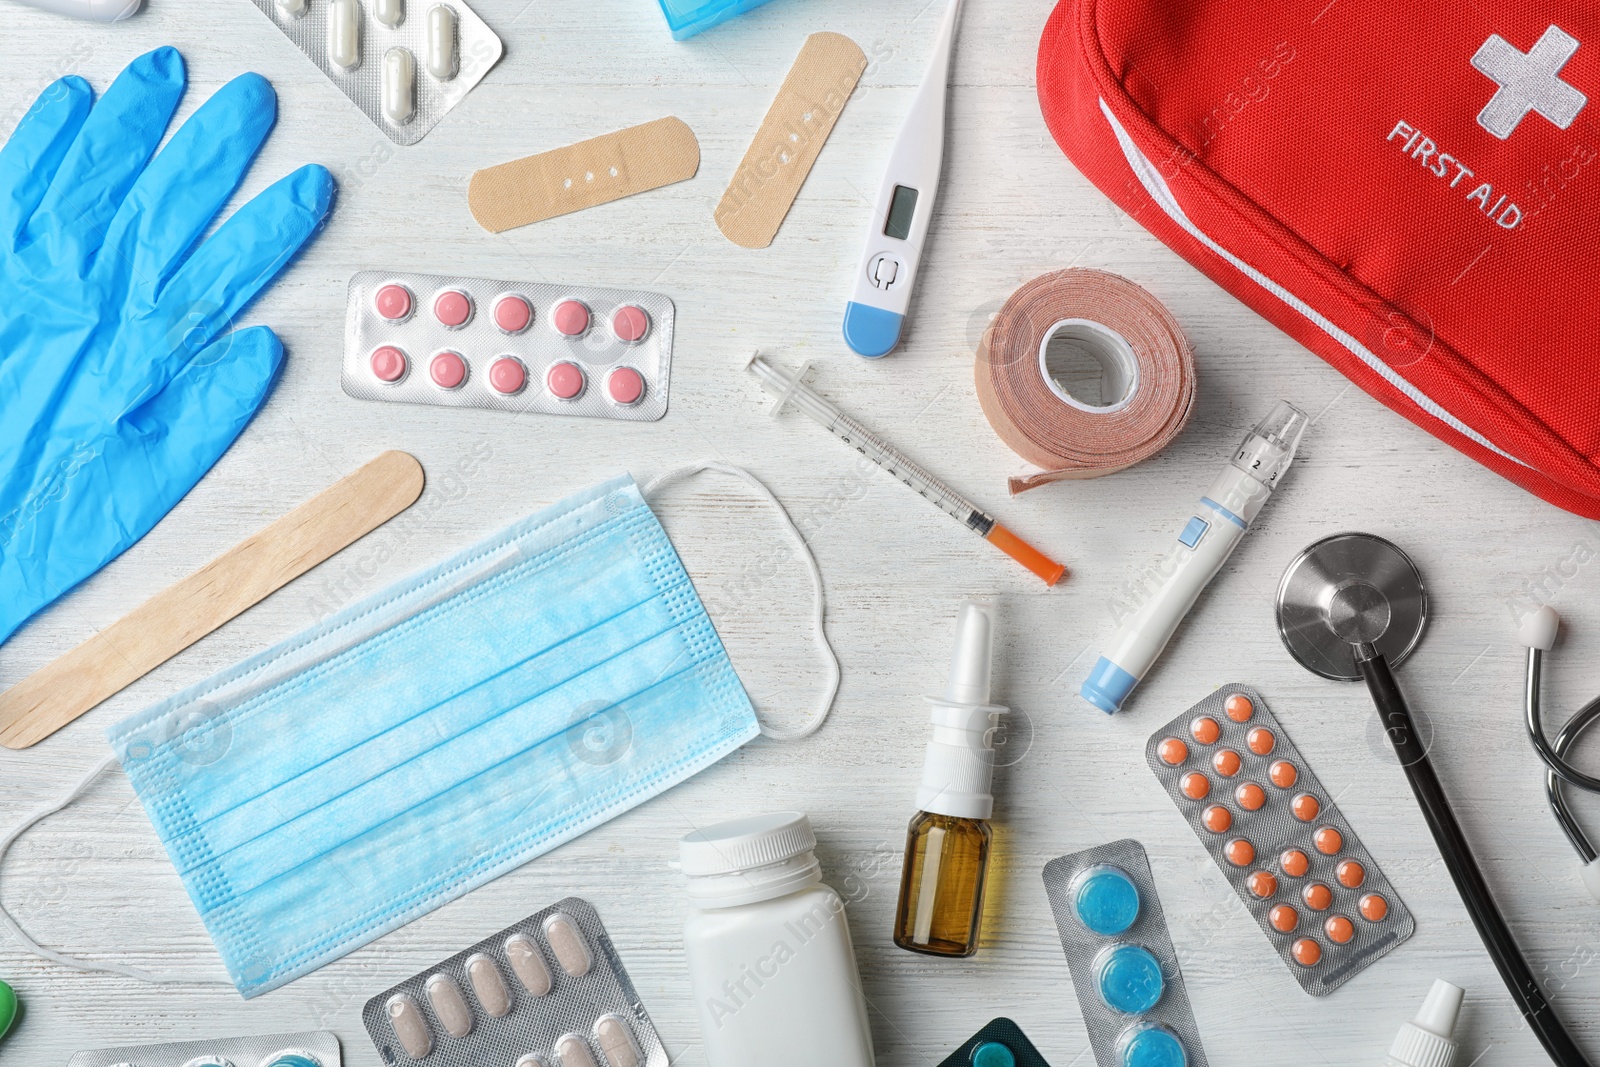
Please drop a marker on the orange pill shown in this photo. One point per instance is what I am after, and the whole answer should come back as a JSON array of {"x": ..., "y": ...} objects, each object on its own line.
[
  {"x": 1305, "y": 807},
  {"x": 1351, "y": 874},
  {"x": 1226, "y": 762},
  {"x": 1283, "y": 774},
  {"x": 1239, "y": 852},
  {"x": 1373, "y": 907},
  {"x": 1317, "y": 896},
  {"x": 1172, "y": 751},
  {"x": 1294, "y": 863},
  {"x": 1328, "y": 840},
  {"x": 1250, "y": 796},
  {"x": 1283, "y": 918},
  {"x": 1261, "y": 741},
  {"x": 1217, "y": 819},
  {"x": 1239, "y": 708},
  {"x": 1339, "y": 929},
  {"x": 1262, "y": 884},
  {"x": 1307, "y": 953},
  {"x": 1205, "y": 730},
  {"x": 1195, "y": 786}
]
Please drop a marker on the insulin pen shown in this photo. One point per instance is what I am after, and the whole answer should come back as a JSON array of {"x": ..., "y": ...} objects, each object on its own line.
[
  {"x": 790, "y": 389},
  {"x": 1176, "y": 580}
]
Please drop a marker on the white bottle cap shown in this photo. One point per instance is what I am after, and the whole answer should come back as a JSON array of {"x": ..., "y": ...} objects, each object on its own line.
[
  {"x": 1426, "y": 1040},
  {"x": 959, "y": 766},
  {"x": 745, "y": 860}
]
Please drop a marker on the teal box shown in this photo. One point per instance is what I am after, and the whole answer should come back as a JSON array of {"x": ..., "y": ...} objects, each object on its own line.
[{"x": 688, "y": 17}]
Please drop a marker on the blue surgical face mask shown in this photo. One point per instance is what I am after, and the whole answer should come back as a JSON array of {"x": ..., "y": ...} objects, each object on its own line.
[{"x": 436, "y": 735}]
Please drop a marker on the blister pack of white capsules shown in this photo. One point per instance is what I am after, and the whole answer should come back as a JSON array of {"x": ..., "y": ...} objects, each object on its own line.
[
  {"x": 548, "y": 991},
  {"x": 508, "y": 346},
  {"x": 314, "y": 1048},
  {"x": 1123, "y": 966},
  {"x": 1273, "y": 830},
  {"x": 403, "y": 62}
]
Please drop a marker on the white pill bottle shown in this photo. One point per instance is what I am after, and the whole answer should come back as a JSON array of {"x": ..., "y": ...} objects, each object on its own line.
[{"x": 770, "y": 961}]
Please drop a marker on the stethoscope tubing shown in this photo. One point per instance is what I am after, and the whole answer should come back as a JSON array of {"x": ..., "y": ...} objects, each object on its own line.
[
  {"x": 1458, "y": 860},
  {"x": 1553, "y": 754}
]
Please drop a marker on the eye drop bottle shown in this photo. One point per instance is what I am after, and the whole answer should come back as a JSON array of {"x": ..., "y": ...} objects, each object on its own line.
[
  {"x": 770, "y": 960},
  {"x": 947, "y": 845}
]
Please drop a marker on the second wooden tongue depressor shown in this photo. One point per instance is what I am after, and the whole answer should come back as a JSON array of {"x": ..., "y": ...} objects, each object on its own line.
[
  {"x": 182, "y": 614},
  {"x": 1206, "y": 541},
  {"x": 790, "y": 388}
]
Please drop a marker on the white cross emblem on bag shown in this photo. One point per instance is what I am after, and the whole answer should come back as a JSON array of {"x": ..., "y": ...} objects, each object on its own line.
[{"x": 1528, "y": 82}]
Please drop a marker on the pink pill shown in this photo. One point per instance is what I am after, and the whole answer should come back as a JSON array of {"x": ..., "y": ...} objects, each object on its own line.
[
  {"x": 564, "y": 380},
  {"x": 507, "y": 375},
  {"x": 625, "y": 385},
  {"x": 393, "y": 302},
  {"x": 571, "y": 318},
  {"x": 388, "y": 364},
  {"x": 630, "y": 324},
  {"x": 448, "y": 370},
  {"x": 452, "y": 308},
  {"x": 512, "y": 314}
]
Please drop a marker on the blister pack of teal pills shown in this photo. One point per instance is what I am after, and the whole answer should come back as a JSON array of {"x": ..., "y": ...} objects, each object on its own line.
[
  {"x": 1120, "y": 953},
  {"x": 312, "y": 1048}
]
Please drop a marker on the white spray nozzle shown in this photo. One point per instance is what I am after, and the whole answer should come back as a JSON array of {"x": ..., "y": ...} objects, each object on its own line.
[
  {"x": 973, "y": 661},
  {"x": 1427, "y": 1041}
]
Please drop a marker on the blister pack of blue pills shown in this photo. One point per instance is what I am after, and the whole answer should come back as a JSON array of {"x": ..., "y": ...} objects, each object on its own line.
[
  {"x": 1001, "y": 1043},
  {"x": 1120, "y": 953},
  {"x": 548, "y": 991},
  {"x": 313, "y": 1048}
]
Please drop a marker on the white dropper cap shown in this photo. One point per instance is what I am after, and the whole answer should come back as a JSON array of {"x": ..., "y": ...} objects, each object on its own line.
[
  {"x": 959, "y": 767},
  {"x": 1426, "y": 1041}
]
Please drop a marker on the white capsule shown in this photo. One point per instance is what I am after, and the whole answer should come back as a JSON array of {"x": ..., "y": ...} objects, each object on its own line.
[
  {"x": 389, "y": 12},
  {"x": 344, "y": 34},
  {"x": 399, "y": 86},
  {"x": 292, "y": 9},
  {"x": 449, "y": 1006},
  {"x": 442, "y": 42},
  {"x": 405, "y": 1016}
]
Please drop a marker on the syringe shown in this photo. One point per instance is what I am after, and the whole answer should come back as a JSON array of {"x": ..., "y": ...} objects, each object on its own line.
[{"x": 790, "y": 389}]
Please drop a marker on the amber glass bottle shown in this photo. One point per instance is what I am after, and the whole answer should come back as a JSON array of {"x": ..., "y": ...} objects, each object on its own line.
[
  {"x": 941, "y": 888},
  {"x": 947, "y": 845}
]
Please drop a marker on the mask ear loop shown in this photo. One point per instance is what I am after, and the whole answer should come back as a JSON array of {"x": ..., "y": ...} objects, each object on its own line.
[
  {"x": 819, "y": 598},
  {"x": 10, "y": 922}
]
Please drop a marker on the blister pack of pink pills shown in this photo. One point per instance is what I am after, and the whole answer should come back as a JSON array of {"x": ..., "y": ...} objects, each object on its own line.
[{"x": 508, "y": 346}]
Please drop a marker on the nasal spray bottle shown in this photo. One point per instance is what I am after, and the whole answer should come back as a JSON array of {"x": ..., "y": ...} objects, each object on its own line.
[
  {"x": 1204, "y": 545},
  {"x": 947, "y": 845}
]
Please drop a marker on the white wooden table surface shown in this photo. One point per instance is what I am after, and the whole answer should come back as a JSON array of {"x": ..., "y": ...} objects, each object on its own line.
[{"x": 94, "y": 880}]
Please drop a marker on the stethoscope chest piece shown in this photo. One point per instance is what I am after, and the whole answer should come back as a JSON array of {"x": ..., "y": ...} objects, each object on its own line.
[{"x": 1349, "y": 588}]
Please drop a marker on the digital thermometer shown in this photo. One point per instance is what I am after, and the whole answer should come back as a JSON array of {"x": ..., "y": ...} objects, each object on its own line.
[
  {"x": 877, "y": 309},
  {"x": 1206, "y": 541}
]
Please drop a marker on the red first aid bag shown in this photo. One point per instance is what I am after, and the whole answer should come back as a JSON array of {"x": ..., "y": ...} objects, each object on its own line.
[{"x": 1410, "y": 190}]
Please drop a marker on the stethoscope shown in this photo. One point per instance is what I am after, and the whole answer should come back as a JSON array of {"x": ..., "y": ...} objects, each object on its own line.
[
  {"x": 1538, "y": 634},
  {"x": 1348, "y": 607}
]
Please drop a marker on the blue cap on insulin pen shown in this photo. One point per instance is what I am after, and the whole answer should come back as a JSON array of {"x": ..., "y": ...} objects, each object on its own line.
[
  {"x": 1107, "y": 686},
  {"x": 685, "y": 18}
]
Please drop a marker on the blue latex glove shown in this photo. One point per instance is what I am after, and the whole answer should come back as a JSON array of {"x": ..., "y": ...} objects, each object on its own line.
[{"x": 120, "y": 381}]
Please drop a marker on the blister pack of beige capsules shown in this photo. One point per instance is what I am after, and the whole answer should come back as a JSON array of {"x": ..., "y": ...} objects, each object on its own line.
[
  {"x": 508, "y": 346},
  {"x": 403, "y": 62},
  {"x": 313, "y": 1048},
  {"x": 548, "y": 991},
  {"x": 1272, "y": 829}
]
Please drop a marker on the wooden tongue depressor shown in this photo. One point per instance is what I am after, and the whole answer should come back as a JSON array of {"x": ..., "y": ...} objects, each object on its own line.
[{"x": 182, "y": 614}]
